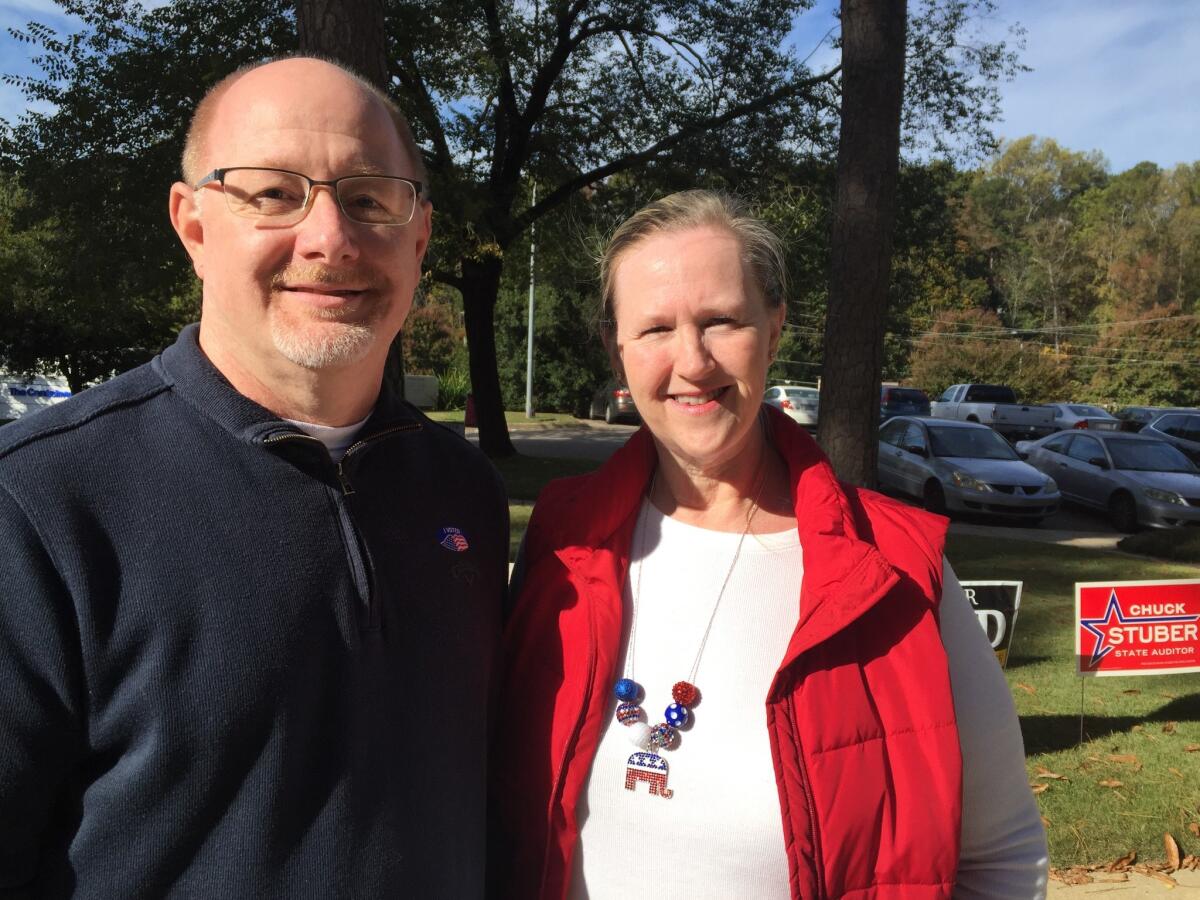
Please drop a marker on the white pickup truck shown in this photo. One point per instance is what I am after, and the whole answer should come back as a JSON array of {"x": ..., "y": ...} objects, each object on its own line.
[{"x": 995, "y": 405}]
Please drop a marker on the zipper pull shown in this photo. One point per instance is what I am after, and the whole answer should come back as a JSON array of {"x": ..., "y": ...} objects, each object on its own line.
[{"x": 344, "y": 481}]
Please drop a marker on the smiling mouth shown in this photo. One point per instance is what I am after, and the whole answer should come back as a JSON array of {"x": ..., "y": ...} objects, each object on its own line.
[{"x": 697, "y": 399}]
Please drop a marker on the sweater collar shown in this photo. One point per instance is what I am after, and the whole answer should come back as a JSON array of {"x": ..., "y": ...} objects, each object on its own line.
[{"x": 192, "y": 375}]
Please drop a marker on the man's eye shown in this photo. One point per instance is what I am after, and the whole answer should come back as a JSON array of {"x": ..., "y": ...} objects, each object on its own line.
[
  {"x": 276, "y": 196},
  {"x": 717, "y": 321},
  {"x": 364, "y": 201}
]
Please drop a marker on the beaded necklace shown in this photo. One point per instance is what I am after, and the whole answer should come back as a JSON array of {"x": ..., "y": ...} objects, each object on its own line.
[{"x": 646, "y": 764}]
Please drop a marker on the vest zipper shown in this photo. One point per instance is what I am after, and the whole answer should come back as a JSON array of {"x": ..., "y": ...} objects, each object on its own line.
[
  {"x": 560, "y": 775},
  {"x": 808, "y": 805}
]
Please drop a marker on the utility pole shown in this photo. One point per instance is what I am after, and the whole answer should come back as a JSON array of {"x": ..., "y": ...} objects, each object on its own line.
[{"x": 529, "y": 338}]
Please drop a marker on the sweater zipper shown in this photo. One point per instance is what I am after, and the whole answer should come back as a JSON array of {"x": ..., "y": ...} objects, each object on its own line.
[
  {"x": 356, "y": 550},
  {"x": 808, "y": 806}
]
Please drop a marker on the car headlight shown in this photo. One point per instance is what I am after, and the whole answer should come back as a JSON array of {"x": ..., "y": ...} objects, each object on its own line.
[
  {"x": 1165, "y": 496},
  {"x": 1051, "y": 486},
  {"x": 968, "y": 482}
]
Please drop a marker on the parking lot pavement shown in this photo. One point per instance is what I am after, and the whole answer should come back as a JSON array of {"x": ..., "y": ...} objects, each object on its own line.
[{"x": 1041, "y": 534}]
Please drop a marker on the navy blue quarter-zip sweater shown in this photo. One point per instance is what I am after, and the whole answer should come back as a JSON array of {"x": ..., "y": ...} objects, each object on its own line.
[{"x": 231, "y": 668}]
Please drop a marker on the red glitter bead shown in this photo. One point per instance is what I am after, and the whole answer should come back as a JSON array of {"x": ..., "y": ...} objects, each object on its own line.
[{"x": 685, "y": 694}]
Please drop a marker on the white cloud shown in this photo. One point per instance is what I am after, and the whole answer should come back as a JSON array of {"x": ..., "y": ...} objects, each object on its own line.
[{"x": 1111, "y": 76}]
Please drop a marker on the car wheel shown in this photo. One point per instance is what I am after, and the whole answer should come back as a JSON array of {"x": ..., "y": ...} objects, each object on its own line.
[
  {"x": 1122, "y": 511},
  {"x": 610, "y": 414},
  {"x": 934, "y": 497}
]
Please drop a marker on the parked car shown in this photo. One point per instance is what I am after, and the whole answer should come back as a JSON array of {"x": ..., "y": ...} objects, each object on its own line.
[
  {"x": 1135, "y": 418},
  {"x": 1179, "y": 428},
  {"x": 797, "y": 401},
  {"x": 1084, "y": 416},
  {"x": 614, "y": 403},
  {"x": 1137, "y": 480},
  {"x": 963, "y": 467},
  {"x": 902, "y": 401},
  {"x": 995, "y": 405},
  {"x": 20, "y": 395}
]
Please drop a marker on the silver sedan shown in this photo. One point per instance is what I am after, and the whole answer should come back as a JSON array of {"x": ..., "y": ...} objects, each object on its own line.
[
  {"x": 1137, "y": 480},
  {"x": 963, "y": 467}
]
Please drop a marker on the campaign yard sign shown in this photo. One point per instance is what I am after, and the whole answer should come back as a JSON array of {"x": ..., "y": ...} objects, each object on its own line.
[
  {"x": 1137, "y": 627},
  {"x": 995, "y": 604}
]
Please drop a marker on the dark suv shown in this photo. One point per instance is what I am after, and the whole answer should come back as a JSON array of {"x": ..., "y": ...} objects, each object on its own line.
[
  {"x": 902, "y": 401},
  {"x": 1179, "y": 428}
]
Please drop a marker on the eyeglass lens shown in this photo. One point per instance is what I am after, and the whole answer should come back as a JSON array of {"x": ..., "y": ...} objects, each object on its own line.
[{"x": 267, "y": 193}]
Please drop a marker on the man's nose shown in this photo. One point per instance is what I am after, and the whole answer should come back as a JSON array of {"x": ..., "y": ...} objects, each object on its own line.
[{"x": 326, "y": 232}]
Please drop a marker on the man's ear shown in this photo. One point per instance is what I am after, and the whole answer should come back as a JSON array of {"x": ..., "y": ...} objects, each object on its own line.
[
  {"x": 185, "y": 219},
  {"x": 423, "y": 220}
]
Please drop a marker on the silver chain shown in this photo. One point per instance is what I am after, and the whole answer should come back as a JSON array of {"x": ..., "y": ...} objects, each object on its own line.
[{"x": 637, "y": 588}]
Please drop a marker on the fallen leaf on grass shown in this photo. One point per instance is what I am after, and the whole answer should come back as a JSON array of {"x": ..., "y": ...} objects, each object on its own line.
[
  {"x": 1124, "y": 862},
  {"x": 1172, "y": 848},
  {"x": 1040, "y": 788},
  {"x": 1043, "y": 772},
  {"x": 1131, "y": 691},
  {"x": 1174, "y": 771},
  {"x": 1167, "y": 695},
  {"x": 1046, "y": 823},
  {"x": 1169, "y": 728},
  {"x": 1129, "y": 759},
  {"x": 1137, "y": 728},
  {"x": 1194, "y": 828},
  {"x": 1027, "y": 688},
  {"x": 1110, "y": 783},
  {"x": 1192, "y": 748}
]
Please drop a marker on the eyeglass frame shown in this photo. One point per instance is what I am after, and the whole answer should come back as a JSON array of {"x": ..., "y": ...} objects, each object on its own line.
[{"x": 218, "y": 176}]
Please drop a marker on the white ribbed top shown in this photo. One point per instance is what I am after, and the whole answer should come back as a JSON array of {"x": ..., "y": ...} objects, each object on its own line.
[{"x": 719, "y": 835}]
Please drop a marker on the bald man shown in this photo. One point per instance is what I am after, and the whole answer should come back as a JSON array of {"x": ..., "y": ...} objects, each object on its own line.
[{"x": 249, "y": 599}]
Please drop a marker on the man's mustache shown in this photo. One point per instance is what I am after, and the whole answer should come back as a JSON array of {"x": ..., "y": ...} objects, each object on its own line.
[{"x": 361, "y": 278}]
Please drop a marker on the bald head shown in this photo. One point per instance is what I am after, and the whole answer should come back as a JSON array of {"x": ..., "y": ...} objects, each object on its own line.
[{"x": 304, "y": 79}]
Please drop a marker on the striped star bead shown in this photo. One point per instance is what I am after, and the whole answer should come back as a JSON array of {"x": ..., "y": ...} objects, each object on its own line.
[{"x": 628, "y": 712}]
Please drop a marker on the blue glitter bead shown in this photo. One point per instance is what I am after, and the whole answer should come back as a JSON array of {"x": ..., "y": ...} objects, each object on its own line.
[
  {"x": 629, "y": 712},
  {"x": 626, "y": 690},
  {"x": 676, "y": 715}
]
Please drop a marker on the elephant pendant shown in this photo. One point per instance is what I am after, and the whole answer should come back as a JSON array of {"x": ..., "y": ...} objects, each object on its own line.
[{"x": 650, "y": 768}]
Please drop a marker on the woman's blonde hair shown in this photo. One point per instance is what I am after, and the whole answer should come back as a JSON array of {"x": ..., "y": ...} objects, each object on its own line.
[{"x": 762, "y": 250}]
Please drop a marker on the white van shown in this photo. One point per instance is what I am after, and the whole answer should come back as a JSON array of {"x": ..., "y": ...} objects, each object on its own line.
[{"x": 22, "y": 396}]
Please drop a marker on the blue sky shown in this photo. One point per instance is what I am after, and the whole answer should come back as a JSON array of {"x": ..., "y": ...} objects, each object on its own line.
[{"x": 1118, "y": 76}]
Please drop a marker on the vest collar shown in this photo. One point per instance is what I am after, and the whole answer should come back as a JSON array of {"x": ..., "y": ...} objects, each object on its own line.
[{"x": 844, "y": 573}]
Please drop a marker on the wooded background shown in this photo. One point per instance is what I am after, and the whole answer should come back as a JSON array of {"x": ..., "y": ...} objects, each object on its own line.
[{"x": 1027, "y": 263}]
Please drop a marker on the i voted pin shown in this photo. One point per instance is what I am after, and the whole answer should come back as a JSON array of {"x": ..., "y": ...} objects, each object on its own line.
[{"x": 453, "y": 539}]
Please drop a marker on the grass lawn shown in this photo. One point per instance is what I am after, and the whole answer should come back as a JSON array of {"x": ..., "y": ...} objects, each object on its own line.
[
  {"x": 1136, "y": 774},
  {"x": 511, "y": 416},
  {"x": 525, "y": 476},
  {"x": 1179, "y": 544}
]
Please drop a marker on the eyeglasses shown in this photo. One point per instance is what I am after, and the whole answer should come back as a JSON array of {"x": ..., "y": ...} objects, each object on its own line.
[{"x": 283, "y": 198}]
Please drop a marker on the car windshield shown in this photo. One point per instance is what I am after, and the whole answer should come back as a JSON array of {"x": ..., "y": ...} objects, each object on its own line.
[
  {"x": 1089, "y": 411},
  {"x": 906, "y": 395},
  {"x": 970, "y": 443},
  {"x": 1148, "y": 456}
]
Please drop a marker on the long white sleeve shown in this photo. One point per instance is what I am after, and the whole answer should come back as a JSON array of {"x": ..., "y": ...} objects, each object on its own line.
[{"x": 1004, "y": 853}]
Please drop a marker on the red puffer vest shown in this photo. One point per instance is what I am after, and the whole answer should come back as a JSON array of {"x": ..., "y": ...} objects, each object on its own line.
[{"x": 860, "y": 712}]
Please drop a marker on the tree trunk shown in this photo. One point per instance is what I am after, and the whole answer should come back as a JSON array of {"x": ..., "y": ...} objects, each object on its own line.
[
  {"x": 352, "y": 33},
  {"x": 480, "y": 287},
  {"x": 349, "y": 31},
  {"x": 873, "y": 46}
]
